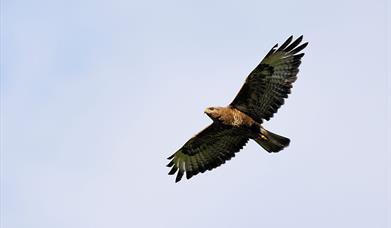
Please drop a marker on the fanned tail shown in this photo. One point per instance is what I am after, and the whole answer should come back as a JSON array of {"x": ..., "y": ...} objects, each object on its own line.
[{"x": 271, "y": 142}]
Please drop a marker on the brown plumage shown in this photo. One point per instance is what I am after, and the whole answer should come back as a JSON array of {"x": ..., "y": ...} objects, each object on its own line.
[{"x": 258, "y": 99}]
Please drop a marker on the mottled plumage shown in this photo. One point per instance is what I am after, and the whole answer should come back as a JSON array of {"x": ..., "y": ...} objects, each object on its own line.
[{"x": 259, "y": 98}]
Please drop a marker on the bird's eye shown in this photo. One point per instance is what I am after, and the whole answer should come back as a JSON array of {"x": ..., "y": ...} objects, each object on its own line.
[{"x": 211, "y": 108}]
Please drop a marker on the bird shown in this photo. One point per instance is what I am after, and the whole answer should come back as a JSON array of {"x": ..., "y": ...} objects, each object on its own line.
[{"x": 261, "y": 95}]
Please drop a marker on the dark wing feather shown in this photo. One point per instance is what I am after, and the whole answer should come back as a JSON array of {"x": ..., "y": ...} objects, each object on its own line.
[
  {"x": 271, "y": 81},
  {"x": 207, "y": 150}
]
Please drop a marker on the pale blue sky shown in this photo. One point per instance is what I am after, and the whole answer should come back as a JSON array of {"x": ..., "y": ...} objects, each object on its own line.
[{"x": 96, "y": 94}]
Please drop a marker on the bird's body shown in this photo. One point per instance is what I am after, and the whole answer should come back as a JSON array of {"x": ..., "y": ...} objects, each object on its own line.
[
  {"x": 233, "y": 126},
  {"x": 230, "y": 116},
  {"x": 244, "y": 125}
]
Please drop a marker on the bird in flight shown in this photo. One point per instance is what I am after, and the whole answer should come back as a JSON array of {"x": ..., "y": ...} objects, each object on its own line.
[{"x": 233, "y": 126}]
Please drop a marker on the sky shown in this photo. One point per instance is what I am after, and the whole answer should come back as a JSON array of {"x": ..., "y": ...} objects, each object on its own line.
[{"x": 95, "y": 95}]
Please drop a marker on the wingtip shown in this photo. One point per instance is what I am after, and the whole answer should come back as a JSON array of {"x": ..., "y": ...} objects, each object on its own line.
[
  {"x": 299, "y": 39},
  {"x": 272, "y": 50},
  {"x": 170, "y": 164},
  {"x": 189, "y": 174},
  {"x": 179, "y": 175},
  {"x": 299, "y": 49},
  {"x": 173, "y": 170},
  {"x": 304, "y": 45},
  {"x": 285, "y": 44}
]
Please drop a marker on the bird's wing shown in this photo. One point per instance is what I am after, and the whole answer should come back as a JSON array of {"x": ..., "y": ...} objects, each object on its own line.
[
  {"x": 271, "y": 81},
  {"x": 207, "y": 150}
]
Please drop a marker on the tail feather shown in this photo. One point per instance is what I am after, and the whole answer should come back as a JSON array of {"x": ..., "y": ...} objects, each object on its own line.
[{"x": 271, "y": 142}]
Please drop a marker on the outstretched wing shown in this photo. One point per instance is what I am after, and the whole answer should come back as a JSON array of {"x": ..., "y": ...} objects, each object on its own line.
[
  {"x": 207, "y": 150},
  {"x": 271, "y": 81}
]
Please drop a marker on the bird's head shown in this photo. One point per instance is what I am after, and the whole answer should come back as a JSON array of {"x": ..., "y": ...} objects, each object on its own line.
[{"x": 213, "y": 112}]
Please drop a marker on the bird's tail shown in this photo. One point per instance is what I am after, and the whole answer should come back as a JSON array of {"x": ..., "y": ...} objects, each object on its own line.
[{"x": 271, "y": 142}]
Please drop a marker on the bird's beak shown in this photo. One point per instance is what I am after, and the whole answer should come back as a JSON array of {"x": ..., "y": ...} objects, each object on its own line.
[{"x": 206, "y": 111}]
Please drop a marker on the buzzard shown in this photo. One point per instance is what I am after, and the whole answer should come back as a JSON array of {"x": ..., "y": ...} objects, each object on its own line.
[{"x": 259, "y": 98}]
